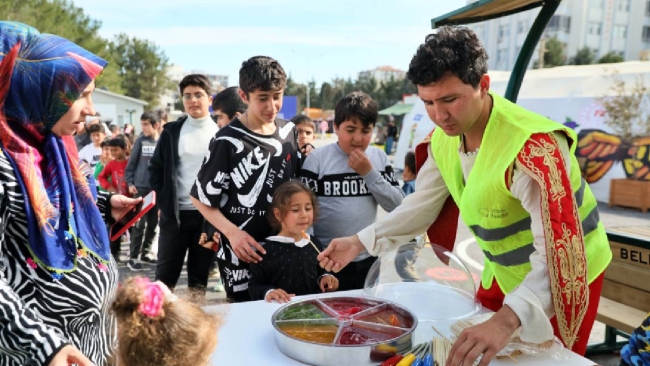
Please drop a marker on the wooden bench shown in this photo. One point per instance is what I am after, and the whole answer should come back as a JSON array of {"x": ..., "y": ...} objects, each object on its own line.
[{"x": 625, "y": 299}]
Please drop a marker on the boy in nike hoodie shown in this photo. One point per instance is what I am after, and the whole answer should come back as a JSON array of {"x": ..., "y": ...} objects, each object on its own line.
[{"x": 246, "y": 162}]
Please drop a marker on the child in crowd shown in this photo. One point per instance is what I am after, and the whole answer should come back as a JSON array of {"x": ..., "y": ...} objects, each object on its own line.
[
  {"x": 227, "y": 105},
  {"x": 129, "y": 133},
  {"x": 155, "y": 327},
  {"x": 91, "y": 153},
  {"x": 324, "y": 126},
  {"x": 350, "y": 180},
  {"x": 290, "y": 266},
  {"x": 306, "y": 129},
  {"x": 114, "y": 169},
  {"x": 162, "y": 119},
  {"x": 136, "y": 175},
  {"x": 115, "y": 129},
  {"x": 246, "y": 162},
  {"x": 409, "y": 174},
  {"x": 112, "y": 179},
  {"x": 104, "y": 158}
]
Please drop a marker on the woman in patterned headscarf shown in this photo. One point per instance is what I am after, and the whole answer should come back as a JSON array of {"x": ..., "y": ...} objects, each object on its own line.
[{"x": 57, "y": 278}]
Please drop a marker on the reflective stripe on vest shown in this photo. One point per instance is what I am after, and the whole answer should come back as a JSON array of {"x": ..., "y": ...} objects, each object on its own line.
[{"x": 522, "y": 254}]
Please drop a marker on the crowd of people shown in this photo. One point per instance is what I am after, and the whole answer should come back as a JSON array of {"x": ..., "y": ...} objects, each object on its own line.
[{"x": 280, "y": 217}]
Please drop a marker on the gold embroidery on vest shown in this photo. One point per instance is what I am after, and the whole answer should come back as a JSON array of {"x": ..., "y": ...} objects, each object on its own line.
[
  {"x": 546, "y": 150},
  {"x": 568, "y": 274}
]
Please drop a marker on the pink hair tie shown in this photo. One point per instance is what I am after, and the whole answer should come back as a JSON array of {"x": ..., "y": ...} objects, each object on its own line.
[{"x": 154, "y": 294}]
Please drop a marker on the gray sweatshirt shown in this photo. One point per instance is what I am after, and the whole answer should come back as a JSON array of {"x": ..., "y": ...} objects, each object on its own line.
[
  {"x": 137, "y": 172},
  {"x": 348, "y": 202}
]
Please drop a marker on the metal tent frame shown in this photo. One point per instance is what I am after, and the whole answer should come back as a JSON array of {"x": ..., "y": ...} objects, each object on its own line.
[{"x": 490, "y": 9}]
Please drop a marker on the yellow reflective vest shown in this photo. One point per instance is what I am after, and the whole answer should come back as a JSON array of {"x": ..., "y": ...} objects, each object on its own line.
[{"x": 497, "y": 219}]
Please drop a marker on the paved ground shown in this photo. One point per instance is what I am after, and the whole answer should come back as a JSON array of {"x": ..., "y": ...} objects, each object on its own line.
[{"x": 466, "y": 248}]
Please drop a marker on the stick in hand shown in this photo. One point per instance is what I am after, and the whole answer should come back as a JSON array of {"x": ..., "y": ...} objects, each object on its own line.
[{"x": 304, "y": 235}]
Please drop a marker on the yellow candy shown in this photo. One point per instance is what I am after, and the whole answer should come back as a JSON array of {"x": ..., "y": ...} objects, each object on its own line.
[
  {"x": 386, "y": 348},
  {"x": 407, "y": 361}
]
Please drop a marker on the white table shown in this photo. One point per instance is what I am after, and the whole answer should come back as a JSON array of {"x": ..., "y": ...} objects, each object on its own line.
[{"x": 247, "y": 338}]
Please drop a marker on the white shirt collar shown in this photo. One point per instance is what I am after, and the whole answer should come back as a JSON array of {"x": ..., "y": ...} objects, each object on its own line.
[{"x": 283, "y": 239}]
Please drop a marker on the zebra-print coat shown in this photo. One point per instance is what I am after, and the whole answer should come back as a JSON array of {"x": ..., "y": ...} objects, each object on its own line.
[{"x": 38, "y": 314}]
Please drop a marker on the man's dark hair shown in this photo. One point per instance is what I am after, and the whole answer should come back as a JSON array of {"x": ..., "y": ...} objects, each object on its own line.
[
  {"x": 117, "y": 141},
  {"x": 199, "y": 80},
  {"x": 229, "y": 102},
  {"x": 149, "y": 116},
  {"x": 357, "y": 106},
  {"x": 97, "y": 127},
  {"x": 452, "y": 50},
  {"x": 409, "y": 161},
  {"x": 105, "y": 142},
  {"x": 261, "y": 73}
]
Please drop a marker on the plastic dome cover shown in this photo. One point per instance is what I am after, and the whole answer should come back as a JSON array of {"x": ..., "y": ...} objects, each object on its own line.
[{"x": 426, "y": 278}]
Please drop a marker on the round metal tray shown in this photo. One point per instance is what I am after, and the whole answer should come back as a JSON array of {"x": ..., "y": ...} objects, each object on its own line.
[{"x": 343, "y": 330}]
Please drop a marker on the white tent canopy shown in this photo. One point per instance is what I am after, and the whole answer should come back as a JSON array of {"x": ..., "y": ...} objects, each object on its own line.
[{"x": 573, "y": 81}]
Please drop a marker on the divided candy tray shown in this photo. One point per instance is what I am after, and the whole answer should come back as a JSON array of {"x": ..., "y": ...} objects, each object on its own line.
[{"x": 343, "y": 330}]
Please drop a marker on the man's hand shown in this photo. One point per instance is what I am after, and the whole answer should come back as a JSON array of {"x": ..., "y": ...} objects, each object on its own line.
[
  {"x": 359, "y": 162},
  {"x": 329, "y": 283},
  {"x": 120, "y": 204},
  {"x": 132, "y": 190},
  {"x": 244, "y": 246},
  {"x": 340, "y": 252},
  {"x": 485, "y": 339},
  {"x": 69, "y": 355},
  {"x": 279, "y": 295}
]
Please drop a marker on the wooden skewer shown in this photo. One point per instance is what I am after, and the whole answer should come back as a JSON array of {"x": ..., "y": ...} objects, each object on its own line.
[
  {"x": 437, "y": 331},
  {"x": 512, "y": 358},
  {"x": 304, "y": 235}
]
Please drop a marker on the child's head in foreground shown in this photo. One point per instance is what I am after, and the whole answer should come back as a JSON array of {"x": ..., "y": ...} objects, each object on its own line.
[{"x": 157, "y": 328}]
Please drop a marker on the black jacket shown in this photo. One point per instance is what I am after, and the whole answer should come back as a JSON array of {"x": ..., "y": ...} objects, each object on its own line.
[{"x": 162, "y": 171}]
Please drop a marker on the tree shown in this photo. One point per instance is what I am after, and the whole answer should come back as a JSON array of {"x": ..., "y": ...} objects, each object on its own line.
[
  {"x": 385, "y": 93},
  {"x": 584, "y": 56},
  {"x": 554, "y": 55},
  {"x": 610, "y": 58},
  {"x": 142, "y": 66},
  {"x": 327, "y": 96},
  {"x": 314, "y": 97},
  {"x": 63, "y": 19},
  {"x": 629, "y": 119},
  {"x": 298, "y": 90},
  {"x": 625, "y": 113}
]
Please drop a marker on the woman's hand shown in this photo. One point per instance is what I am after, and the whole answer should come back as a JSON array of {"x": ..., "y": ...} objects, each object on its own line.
[
  {"x": 69, "y": 355},
  {"x": 120, "y": 204}
]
